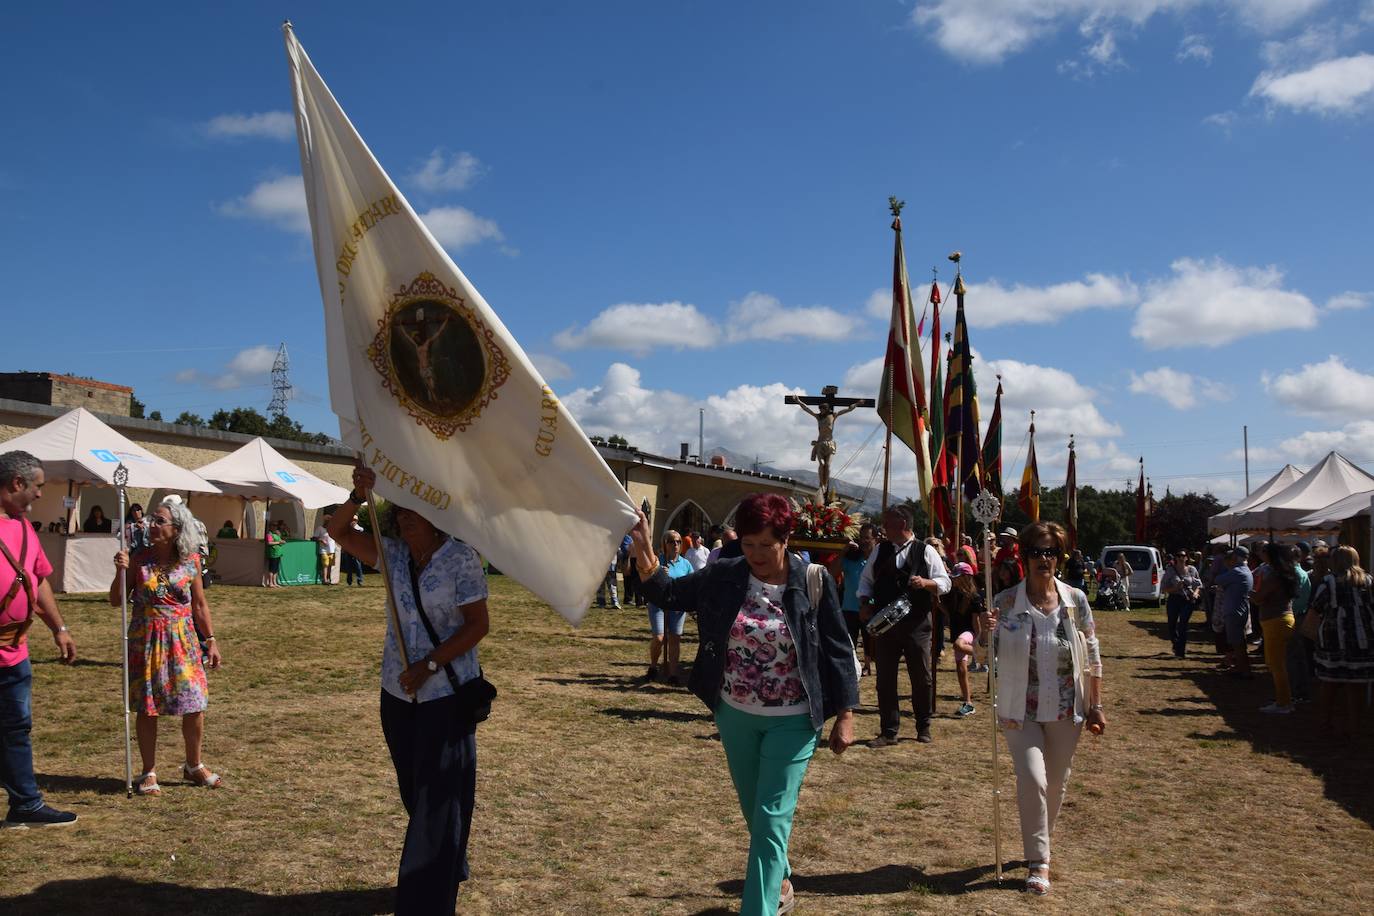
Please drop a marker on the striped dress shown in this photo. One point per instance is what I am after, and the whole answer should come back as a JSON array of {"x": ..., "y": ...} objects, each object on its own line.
[{"x": 1345, "y": 642}]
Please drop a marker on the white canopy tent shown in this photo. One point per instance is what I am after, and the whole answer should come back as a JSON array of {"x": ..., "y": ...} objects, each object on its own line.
[
  {"x": 81, "y": 450},
  {"x": 1226, "y": 522},
  {"x": 256, "y": 471},
  {"x": 1335, "y": 478},
  {"x": 1342, "y": 509}
]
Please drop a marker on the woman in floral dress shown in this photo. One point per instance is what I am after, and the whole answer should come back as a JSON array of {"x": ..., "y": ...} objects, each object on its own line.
[{"x": 166, "y": 674}]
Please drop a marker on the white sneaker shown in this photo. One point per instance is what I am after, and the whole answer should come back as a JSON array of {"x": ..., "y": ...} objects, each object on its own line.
[{"x": 1274, "y": 709}]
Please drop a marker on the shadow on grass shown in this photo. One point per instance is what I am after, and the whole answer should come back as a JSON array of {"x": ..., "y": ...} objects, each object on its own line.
[
  {"x": 1345, "y": 774},
  {"x": 79, "y": 663},
  {"x": 893, "y": 879},
  {"x": 61, "y": 784},
  {"x": 109, "y": 893},
  {"x": 623, "y": 683},
  {"x": 660, "y": 715}
]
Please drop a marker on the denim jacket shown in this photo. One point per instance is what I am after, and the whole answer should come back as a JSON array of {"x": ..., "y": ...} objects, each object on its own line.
[{"x": 825, "y": 655}]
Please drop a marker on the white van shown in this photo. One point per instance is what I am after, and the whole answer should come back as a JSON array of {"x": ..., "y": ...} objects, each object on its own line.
[{"x": 1146, "y": 569}]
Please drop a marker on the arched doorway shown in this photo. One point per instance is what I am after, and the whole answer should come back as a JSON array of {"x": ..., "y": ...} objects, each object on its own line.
[{"x": 688, "y": 516}]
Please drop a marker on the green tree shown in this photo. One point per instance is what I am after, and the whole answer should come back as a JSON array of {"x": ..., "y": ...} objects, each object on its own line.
[
  {"x": 186, "y": 418},
  {"x": 137, "y": 408},
  {"x": 249, "y": 422},
  {"x": 155, "y": 415},
  {"x": 1181, "y": 521}
]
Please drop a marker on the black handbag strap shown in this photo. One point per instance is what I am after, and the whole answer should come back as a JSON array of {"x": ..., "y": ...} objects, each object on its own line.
[{"x": 424, "y": 619}]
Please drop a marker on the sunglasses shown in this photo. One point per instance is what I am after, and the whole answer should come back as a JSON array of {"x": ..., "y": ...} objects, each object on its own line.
[{"x": 1047, "y": 553}]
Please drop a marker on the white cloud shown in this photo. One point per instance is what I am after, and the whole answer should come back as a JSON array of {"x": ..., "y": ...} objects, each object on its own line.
[
  {"x": 1327, "y": 388},
  {"x": 759, "y": 316},
  {"x": 1222, "y": 120},
  {"x": 989, "y": 31},
  {"x": 279, "y": 201},
  {"x": 458, "y": 227},
  {"x": 1348, "y": 300},
  {"x": 638, "y": 328},
  {"x": 1195, "y": 47},
  {"x": 1355, "y": 440},
  {"x": 551, "y": 367},
  {"x": 1332, "y": 87},
  {"x": 1180, "y": 390},
  {"x": 1212, "y": 303},
  {"x": 743, "y": 419},
  {"x": 441, "y": 172},
  {"x": 862, "y": 379},
  {"x": 273, "y": 125},
  {"x": 249, "y": 367},
  {"x": 879, "y": 304},
  {"x": 1020, "y": 304}
]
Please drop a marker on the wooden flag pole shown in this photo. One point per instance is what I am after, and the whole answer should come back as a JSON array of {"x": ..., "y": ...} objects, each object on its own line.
[
  {"x": 992, "y": 702},
  {"x": 385, "y": 569}
]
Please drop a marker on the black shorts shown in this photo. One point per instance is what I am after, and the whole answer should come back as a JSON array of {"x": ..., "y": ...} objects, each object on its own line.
[{"x": 274, "y": 565}]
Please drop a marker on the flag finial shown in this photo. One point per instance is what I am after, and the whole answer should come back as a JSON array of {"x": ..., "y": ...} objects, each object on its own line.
[{"x": 895, "y": 205}]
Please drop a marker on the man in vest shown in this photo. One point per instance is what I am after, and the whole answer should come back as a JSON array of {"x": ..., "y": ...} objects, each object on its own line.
[{"x": 903, "y": 565}]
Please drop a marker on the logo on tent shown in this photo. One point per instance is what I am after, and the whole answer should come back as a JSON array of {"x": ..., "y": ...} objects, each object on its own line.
[
  {"x": 287, "y": 476},
  {"x": 105, "y": 455}
]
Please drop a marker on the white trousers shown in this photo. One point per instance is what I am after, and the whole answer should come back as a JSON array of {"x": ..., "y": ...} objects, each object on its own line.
[{"x": 1042, "y": 753}]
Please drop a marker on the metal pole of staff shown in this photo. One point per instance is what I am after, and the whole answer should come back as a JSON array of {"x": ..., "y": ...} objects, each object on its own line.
[
  {"x": 121, "y": 482},
  {"x": 992, "y": 701},
  {"x": 987, "y": 509}
]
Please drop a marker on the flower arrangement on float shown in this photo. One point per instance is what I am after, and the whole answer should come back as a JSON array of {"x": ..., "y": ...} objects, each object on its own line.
[{"x": 822, "y": 526}]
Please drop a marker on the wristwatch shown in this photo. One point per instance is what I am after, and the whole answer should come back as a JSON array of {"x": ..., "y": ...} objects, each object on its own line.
[{"x": 432, "y": 665}]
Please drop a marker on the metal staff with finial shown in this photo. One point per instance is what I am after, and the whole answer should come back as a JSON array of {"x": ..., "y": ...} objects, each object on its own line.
[
  {"x": 121, "y": 482},
  {"x": 986, "y": 509}
]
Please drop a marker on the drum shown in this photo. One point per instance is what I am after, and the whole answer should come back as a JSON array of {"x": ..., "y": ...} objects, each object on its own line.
[{"x": 889, "y": 616}]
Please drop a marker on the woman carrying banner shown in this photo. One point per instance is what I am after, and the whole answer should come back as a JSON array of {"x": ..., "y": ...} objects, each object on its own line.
[
  {"x": 774, "y": 662},
  {"x": 1049, "y": 682},
  {"x": 166, "y": 670},
  {"x": 440, "y": 595}
]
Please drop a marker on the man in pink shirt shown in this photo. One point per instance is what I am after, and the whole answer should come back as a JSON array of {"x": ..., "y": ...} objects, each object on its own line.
[{"x": 24, "y": 594}]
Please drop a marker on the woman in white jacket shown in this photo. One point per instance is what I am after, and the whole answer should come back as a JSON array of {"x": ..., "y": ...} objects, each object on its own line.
[{"x": 1049, "y": 682}]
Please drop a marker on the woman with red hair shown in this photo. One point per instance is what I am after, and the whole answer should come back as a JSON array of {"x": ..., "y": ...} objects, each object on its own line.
[{"x": 773, "y": 663}]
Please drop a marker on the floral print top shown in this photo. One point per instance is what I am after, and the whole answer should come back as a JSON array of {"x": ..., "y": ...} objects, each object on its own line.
[
  {"x": 1051, "y": 641},
  {"x": 761, "y": 659}
]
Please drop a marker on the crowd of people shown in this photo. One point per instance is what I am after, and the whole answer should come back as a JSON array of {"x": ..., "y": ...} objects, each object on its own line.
[
  {"x": 782, "y": 646},
  {"x": 1306, "y": 609}
]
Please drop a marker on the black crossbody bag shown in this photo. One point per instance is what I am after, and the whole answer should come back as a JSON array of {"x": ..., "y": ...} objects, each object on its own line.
[{"x": 475, "y": 696}]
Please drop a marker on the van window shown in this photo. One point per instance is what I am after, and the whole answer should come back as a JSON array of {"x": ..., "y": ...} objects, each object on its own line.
[{"x": 1139, "y": 559}]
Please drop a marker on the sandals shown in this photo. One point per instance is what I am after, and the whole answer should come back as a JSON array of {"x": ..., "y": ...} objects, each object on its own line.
[
  {"x": 146, "y": 784},
  {"x": 200, "y": 775},
  {"x": 1039, "y": 885},
  {"x": 787, "y": 901}
]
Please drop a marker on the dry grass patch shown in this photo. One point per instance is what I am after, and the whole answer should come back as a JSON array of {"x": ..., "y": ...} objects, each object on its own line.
[{"x": 600, "y": 795}]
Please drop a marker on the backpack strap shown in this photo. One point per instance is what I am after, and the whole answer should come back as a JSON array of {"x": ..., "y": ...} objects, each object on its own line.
[
  {"x": 814, "y": 584},
  {"x": 14, "y": 633}
]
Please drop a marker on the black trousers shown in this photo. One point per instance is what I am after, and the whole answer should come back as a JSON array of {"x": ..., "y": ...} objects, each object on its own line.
[
  {"x": 909, "y": 640},
  {"x": 435, "y": 758}
]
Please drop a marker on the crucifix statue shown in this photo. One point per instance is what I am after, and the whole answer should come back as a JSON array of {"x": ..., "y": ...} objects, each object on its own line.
[{"x": 823, "y": 446}]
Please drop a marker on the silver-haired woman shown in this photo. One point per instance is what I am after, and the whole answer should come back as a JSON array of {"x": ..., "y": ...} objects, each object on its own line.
[{"x": 166, "y": 673}]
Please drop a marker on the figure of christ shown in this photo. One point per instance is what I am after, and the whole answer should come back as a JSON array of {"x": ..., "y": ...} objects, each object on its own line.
[
  {"x": 823, "y": 447},
  {"x": 414, "y": 333}
]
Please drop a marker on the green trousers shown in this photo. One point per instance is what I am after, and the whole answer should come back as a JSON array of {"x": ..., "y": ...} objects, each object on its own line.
[{"x": 768, "y": 756}]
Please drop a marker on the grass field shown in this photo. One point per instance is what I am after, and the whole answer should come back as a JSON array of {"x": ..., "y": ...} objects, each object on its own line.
[{"x": 598, "y": 795}]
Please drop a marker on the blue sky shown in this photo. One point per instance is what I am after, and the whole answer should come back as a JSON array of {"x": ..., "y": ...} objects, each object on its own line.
[{"x": 1163, "y": 205}]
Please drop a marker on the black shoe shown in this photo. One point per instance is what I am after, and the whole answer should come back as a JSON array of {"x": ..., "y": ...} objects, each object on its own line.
[
  {"x": 651, "y": 675},
  {"x": 44, "y": 816},
  {"x": 923, "y": 736},
  {"x": 883, "y": 741}
]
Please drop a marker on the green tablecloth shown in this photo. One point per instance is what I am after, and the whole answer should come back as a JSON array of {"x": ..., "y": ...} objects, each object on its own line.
[{"x": 298, "y": 563}]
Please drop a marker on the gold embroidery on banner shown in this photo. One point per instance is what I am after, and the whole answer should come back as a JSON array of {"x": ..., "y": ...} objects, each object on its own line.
[
  {"x": 385, "y": 467},
  {"x": 376, "y": 211},
  {"x": 437, "y": 356},
  {"x": 548, "y": 424}
]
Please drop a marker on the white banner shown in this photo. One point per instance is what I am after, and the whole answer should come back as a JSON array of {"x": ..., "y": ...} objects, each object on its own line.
[{"x": 432, "y": 389}]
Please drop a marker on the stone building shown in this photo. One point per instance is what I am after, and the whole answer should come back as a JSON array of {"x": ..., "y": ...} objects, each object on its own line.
[{"x": 66, "y": 391}]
